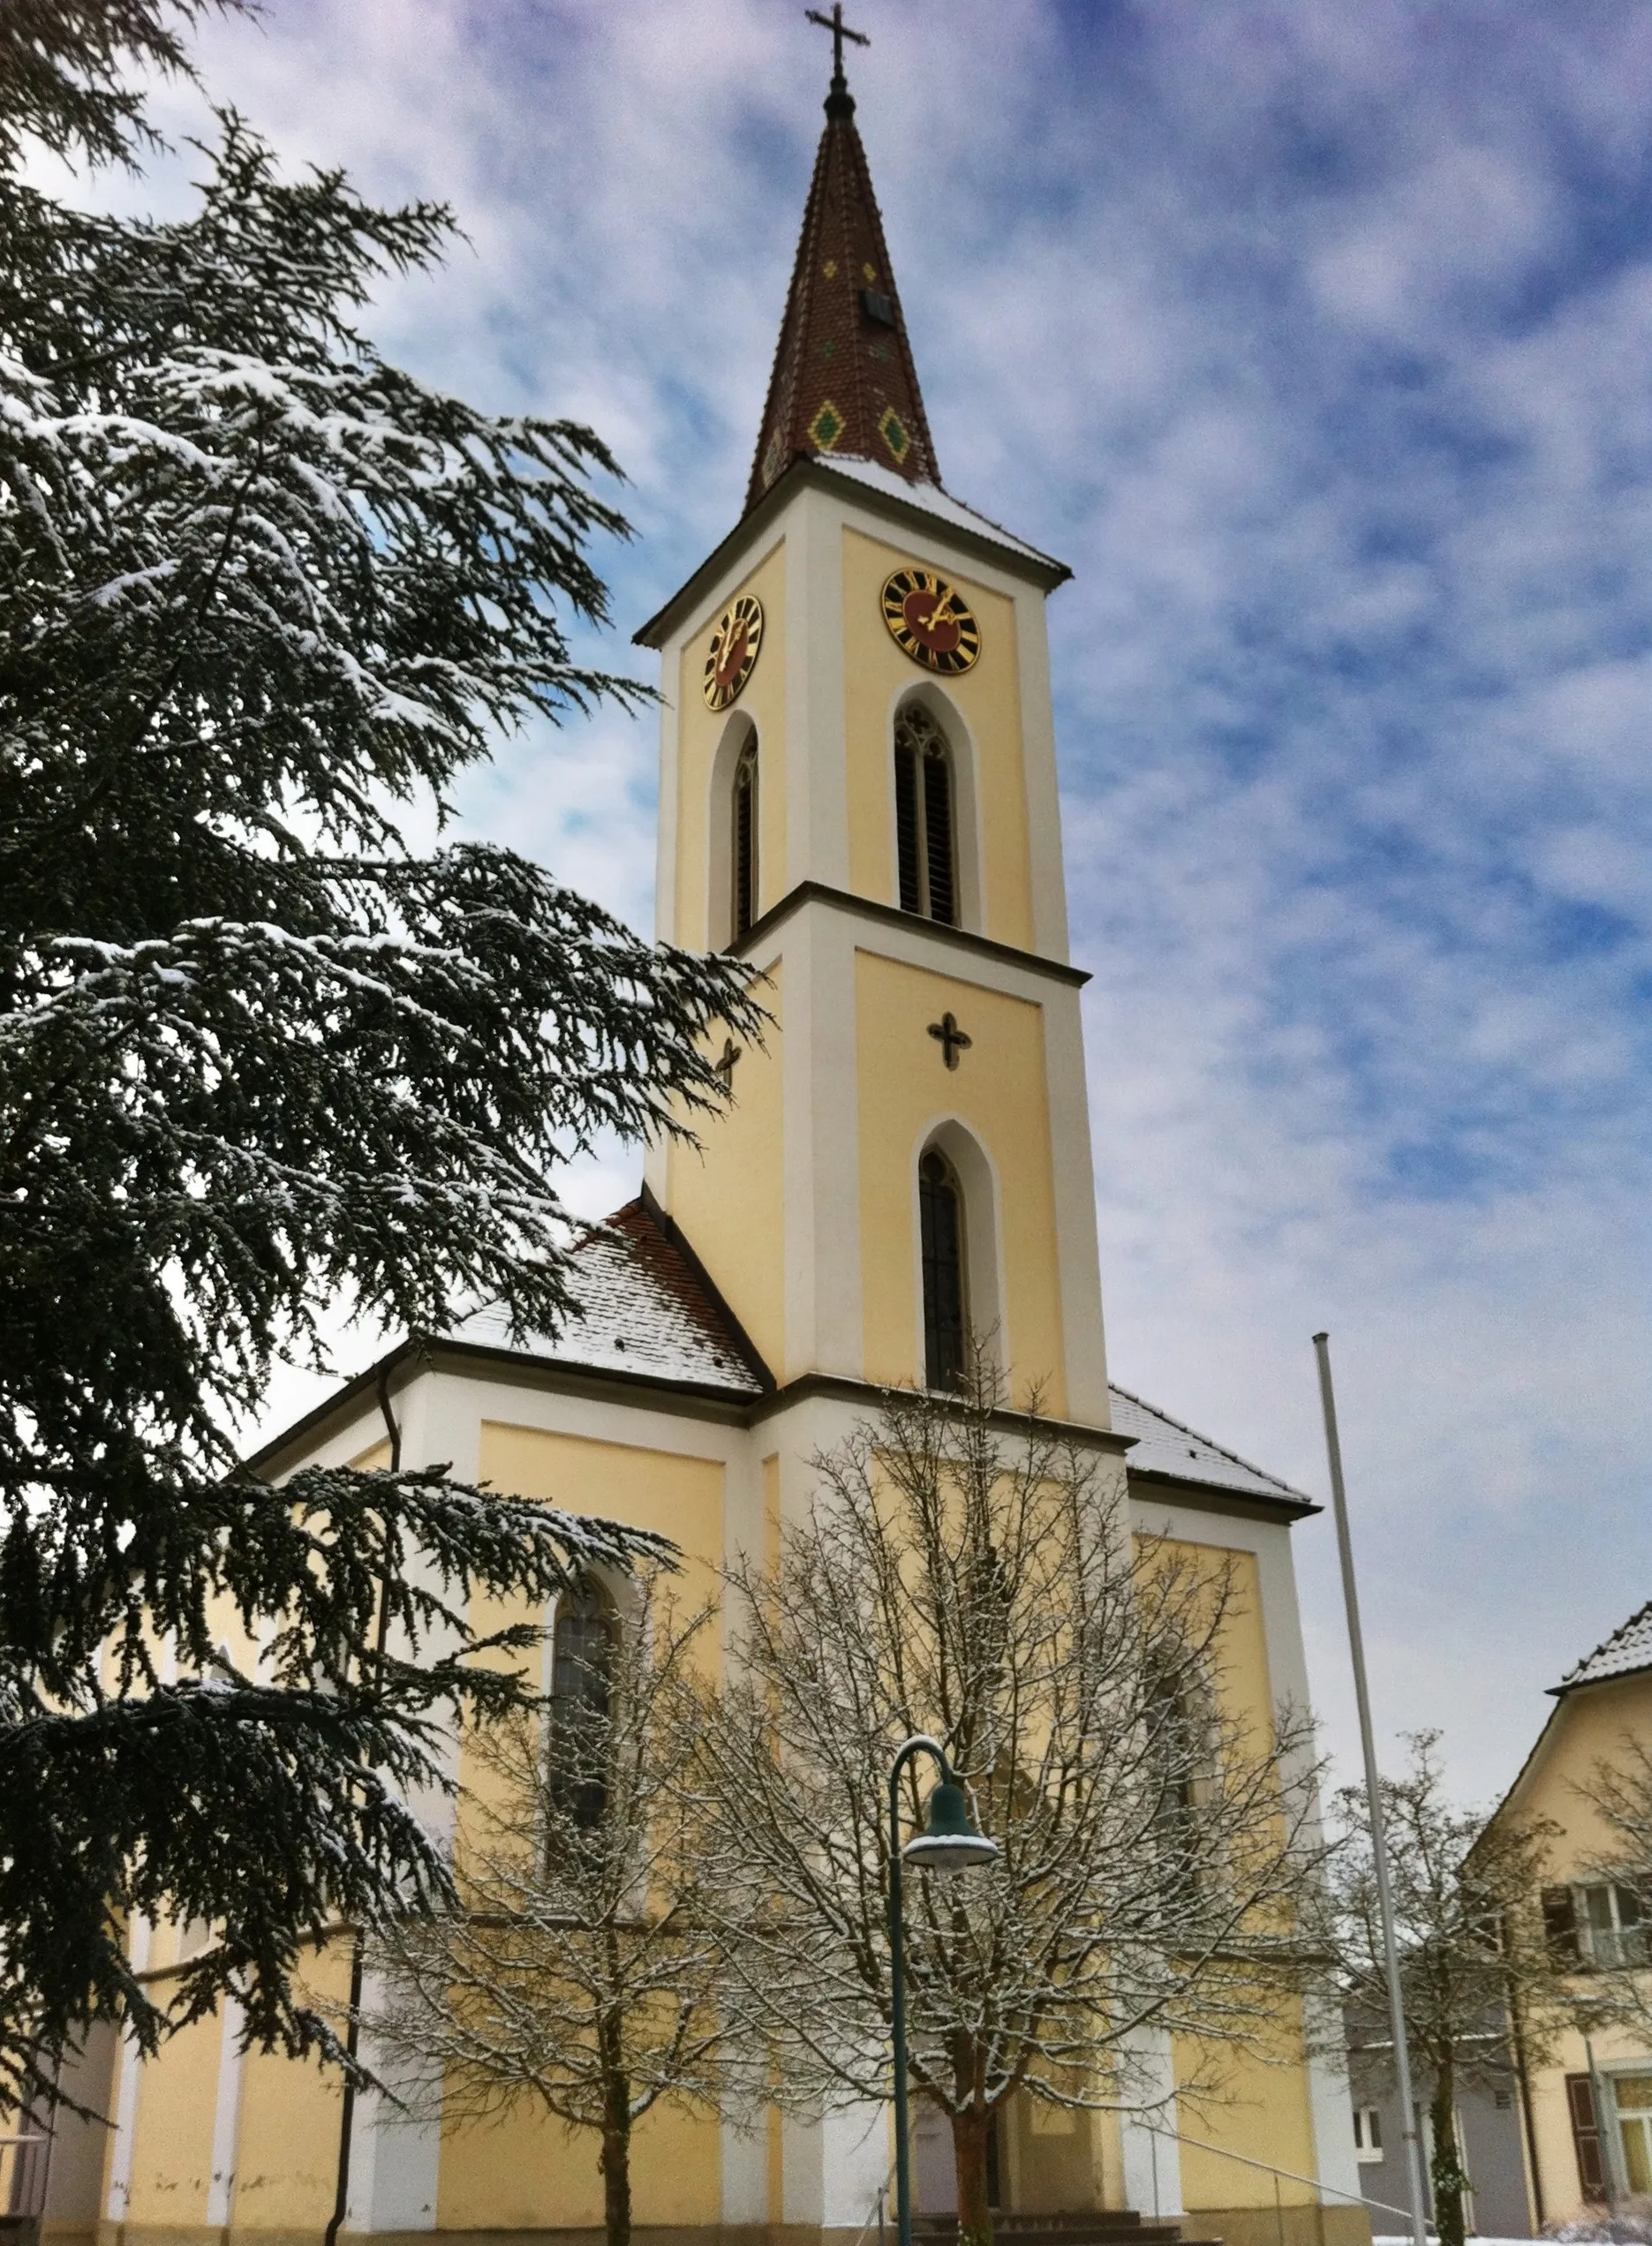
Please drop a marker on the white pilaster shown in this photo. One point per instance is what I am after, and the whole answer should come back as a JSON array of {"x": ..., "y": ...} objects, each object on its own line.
[
  {"x": 816, "y": 762},
  {"x": 856, "y": 2151},
  {"x": 744, "y": 2162},
  {"x": 1330, "y": 2105},
  {"x": 226, "y": 2119},
  {"x": 1072, "y": 1186},
  {"x": 1044, "y": 807},
  {"x": 131, "y": 2066},
  {"x": 1150, "y": 2153},
  {"x": 394, "y": 2150}
]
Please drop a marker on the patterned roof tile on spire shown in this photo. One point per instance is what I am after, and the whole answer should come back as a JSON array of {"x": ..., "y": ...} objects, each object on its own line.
[{"x": 844, "y": 386}]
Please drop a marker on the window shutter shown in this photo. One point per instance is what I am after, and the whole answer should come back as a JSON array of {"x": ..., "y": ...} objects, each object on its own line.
[
  {"x": 1586, "y": 2135},
  {"x": 938, "y": 837},
  {"x": 1560, "y": 1926},
  {"x": 745, "y": 840},
  {"x": 906, "y": 826}
]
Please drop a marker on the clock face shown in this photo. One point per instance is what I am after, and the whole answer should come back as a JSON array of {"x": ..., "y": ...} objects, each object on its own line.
[
  {"x": 734, "y": 651},
  {"x": 931, "y": 621}
]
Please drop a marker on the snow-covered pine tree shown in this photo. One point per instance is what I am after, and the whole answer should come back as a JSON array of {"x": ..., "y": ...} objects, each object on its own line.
[{"x": 258, "y": 589}]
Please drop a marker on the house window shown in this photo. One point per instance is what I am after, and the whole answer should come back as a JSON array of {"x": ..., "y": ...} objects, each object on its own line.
[
  {"x": 743, "y": 842},
  {"x": 1597, "y": 1924},
  {"x": 582, "y": 1666},
  {"x": 1631, "y": 2095},
  {"x": 925, "y": 852},
  {"x": 1367, "y": 2133},
  {"x": 941, "y": 1220}
]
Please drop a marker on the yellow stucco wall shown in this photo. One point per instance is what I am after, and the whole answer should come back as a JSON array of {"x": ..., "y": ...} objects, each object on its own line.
[
  {"x": 987, "y": 697},
  {"x": 527, "y": 2173},
  {"x": 679, "y": 1497},
  {"x": 1262, "y": 2112},
  {"x": 1261, "y": 2108},
  {"x": 286, "y": 2172},
  {"x": 287, "y": 2151},
  {"x": 701, "y": 730},
  {"x": 1587, "y": 1729},
  {"x": 999, "y": 1094},
  {"x": 171, "y": 2161},
  {"x": 728, "y": 1193}
]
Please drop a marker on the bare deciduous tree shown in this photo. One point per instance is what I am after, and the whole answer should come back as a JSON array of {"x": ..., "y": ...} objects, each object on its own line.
[
  {"x": 578, "y": 1972},
  {"x": 1477, "y": 1968},
  {"x": 979, "y": 1579}
]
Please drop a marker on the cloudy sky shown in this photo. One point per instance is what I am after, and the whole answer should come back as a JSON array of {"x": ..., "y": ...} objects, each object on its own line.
[{"x": 1319, "y": 341}]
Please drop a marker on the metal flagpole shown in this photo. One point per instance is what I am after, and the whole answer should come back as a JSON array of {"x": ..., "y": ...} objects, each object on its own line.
[{"x": 1373, "y": 1795}]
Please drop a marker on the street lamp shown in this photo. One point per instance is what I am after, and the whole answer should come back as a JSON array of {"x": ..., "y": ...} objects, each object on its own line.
[{"x": 951, "y": 1844}]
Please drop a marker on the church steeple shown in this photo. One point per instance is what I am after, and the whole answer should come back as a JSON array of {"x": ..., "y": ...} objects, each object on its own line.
[{"x": 843, "y": 385}]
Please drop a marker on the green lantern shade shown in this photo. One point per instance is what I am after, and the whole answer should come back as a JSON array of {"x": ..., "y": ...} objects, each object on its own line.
[{"x": 951, "y": 1842}]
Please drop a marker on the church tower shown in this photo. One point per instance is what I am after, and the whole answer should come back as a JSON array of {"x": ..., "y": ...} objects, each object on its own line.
[{"x": 858, "y": 795}]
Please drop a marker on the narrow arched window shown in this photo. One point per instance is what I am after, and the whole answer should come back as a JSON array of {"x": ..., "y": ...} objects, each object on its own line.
[
  {"x": 924, "y": 845},
  {"x": 940, "y": 1221},
  {"x": 743, "y": 842},
  {"x": 582, "y": 1688}
]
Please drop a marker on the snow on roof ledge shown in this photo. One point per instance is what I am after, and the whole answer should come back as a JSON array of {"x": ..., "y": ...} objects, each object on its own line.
[
  {"x": 1165, "y": 1446},
  {"x": 1627, "y": 1649},
  {"x": 933, "y": 500}
]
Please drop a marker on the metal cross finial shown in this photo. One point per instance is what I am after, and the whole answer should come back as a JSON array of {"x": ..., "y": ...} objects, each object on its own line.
[
  {"x": 950, "y": 1037},
  {"x": 840, "y": 32}
]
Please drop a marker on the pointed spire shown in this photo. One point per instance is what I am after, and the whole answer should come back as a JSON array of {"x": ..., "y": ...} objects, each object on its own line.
[{"x": 843, "y": 384}]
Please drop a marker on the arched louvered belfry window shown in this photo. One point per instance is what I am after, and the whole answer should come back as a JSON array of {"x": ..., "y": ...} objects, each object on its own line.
[
  {"x": 926, "y": 845},
  {"x": 742, "y": 853},
  {"x": 945, "y": 1310},
  {"x": 582, "y": 1688}
]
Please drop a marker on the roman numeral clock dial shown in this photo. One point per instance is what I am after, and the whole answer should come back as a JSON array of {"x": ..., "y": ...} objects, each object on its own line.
[
  {"x": 734, "y": 651},
  {"x": 931, "y": 620}
]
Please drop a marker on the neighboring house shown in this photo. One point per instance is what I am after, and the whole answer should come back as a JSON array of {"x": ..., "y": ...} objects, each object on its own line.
[
  {"x": 1490, "y": 2137},
  {"x": 1590, "y": 2112}
]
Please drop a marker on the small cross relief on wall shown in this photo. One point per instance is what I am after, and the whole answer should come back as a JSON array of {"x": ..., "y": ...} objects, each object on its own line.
[{"x": 950, "y": 1037}]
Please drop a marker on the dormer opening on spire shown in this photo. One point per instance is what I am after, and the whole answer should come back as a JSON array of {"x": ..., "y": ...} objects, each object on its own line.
[{"x": 843, "y": 386}]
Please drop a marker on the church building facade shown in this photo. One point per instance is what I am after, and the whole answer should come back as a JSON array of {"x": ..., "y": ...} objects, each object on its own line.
[{"x": 858, "y": 795}]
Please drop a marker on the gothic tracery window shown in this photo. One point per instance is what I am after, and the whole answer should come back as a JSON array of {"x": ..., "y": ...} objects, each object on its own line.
[
  {"x": 941, "y": 1220},
  {"x": 743, "y": 842},
  {"x": 925, "y": 846},
  {"x": 582, "y": 1664}
]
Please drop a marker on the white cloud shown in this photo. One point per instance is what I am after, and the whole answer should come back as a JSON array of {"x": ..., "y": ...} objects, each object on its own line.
[{"x": 1320, "y": 346}]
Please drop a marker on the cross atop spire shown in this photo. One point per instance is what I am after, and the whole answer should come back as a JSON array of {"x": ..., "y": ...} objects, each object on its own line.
[
  {"x": 844, "y": 386},
  {"x": 840, "y": 32}
]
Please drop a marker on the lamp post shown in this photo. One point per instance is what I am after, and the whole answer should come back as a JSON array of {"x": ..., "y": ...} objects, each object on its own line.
[{"x": 950, "y": 1844}]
